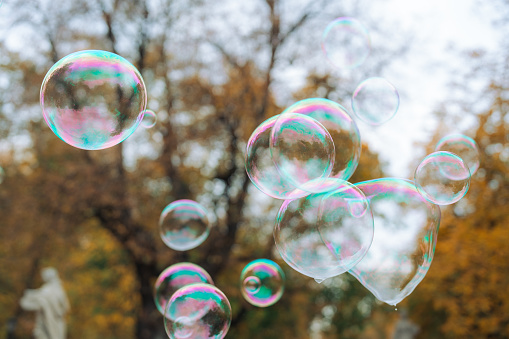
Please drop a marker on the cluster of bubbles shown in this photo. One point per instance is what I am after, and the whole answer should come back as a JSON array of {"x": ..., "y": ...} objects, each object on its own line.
[
  {"x": 383, "y": 231},
  {"x": 262, "y": 282},
  {"x": 304, "y": 156}
]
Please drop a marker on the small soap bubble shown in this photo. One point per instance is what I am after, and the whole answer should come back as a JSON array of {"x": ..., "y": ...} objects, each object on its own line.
[
  {"x": 442, "y": 178},
  {"x": 93, "y": 99},
  {"x": 175, "y": 277},
  {"x": 260, "y": 168},
  {"x": 318, "y": 235},
  {"x": 346, "y": 43},
  {"x": 262, "y": 282},
  {"x": 404, "y": 243},
  {"x": 302, "y": 150},
  {"x": 197, "y": 311},
  {"x": 184, "y": 225},
  {"x": 251, "y": 285},
  {"x": 149, "y": 119},
  {"x": 464, "y": 147},
  {"x": 341, "y": 127},
  {"x": 375, "y": 101}
]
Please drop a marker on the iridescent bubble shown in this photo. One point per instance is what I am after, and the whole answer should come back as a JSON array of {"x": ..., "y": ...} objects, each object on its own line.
[
  {"x": 175, "y": 277},
  {"x": 406, "y": 229},
  {"x": 463, "y": 146},
  {"x": 261, "y": 169},
  {"x": 341, "y": 127},
  {"x": 149, "y": 119},
  {"x": 375, "y": 101},
  {"x": 184, "y": 225},
  {"x": 325, "y": 234},
  {"x": 302, "y": 150},
  {"x": 262, "y": 282},
  {"x": 197, "y": 311},
  {"x": 442, "y": 178},
  {"x": 93, "y": 99},
  {"x": 346, "y": 43}
]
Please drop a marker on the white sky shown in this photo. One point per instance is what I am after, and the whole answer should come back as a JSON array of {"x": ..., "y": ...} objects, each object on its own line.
[{"x": 422, "y": 77}]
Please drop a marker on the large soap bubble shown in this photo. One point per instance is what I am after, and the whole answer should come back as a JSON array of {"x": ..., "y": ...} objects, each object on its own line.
[
  {"x": 183, "y": 225},
  {"x": 262, "y": 282},
  {"x": 261, "y": 169},
  {"x": 175, "y": 277},
  {"x": 346, "y": 43},
  {"x": 375, "y": 101},
  {"x": 325, "y": 234},
  {"x": 463, "y": 146},
  {"x": 442, "y": 178},
  {"x": 406, "y": 229},
  {"x": 302, "y": 150},
  {"x": 341, "y": 127},
  {"x": 198, "y": 311},
  {"x": 93, "y": 99}
]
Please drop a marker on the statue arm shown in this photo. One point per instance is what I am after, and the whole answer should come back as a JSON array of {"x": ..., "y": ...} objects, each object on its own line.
[{"x": 30, "y": 301}]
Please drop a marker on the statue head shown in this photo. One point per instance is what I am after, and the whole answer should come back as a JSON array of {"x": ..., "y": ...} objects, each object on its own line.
[{"x": 49, "y": 274}]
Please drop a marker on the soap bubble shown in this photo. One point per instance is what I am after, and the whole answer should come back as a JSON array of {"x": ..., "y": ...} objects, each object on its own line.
[
  {"x": 442, "y": 178},
  {"x": 463, "y": 146},
  {"x": 406, "y": 229},
  {"x": 93, "y": 99},
  {"x": 346, "y": 43},
  {"x": 262, "y": 282},
  {"x": 175, "y": 277},
  {"x": 198, "y": 311},
  {"x": 302, "y": 150},
  {"x": 261, "y": 169},
  {"x": 325, "y": 234},
  {"x": 375, "y": 101},
  {"x": 149, "y": 119},
  {"x": 184, "y": 225},
  {"x": 341, "y": 127}
]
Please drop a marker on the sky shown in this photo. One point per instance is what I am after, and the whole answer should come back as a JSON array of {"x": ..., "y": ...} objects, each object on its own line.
[{"x": 442, "y": 29}]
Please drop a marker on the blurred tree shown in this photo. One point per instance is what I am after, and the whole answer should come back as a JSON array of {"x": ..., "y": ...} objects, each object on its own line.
[
  {"x": 468, "y": 280},
  {"x": 93, "y": 215}
]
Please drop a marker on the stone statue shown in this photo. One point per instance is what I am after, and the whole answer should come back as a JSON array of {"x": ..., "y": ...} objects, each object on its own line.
[
  {"x": 405, "y": 329},
  {"x": 51, "y": 304}
]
